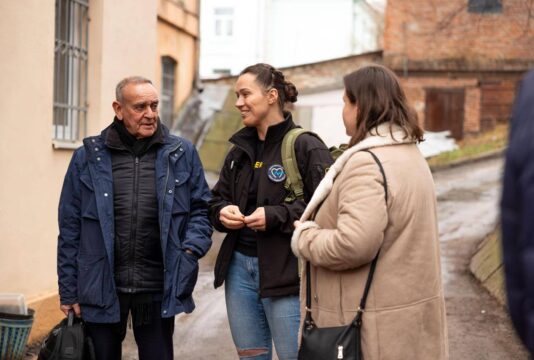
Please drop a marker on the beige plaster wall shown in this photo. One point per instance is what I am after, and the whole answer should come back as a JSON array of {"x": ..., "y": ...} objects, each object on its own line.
[
  {"x": 32, "y": 171},
  {"x": 123, "y": 42},
  {"x": 183, "y": 49},
  {"x": 178, "y": 32}
]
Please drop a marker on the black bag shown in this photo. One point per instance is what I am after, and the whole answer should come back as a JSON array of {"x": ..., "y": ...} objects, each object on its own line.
[
  {"x": 340, "y": 342},
  {"x": 67, "y": 341}
]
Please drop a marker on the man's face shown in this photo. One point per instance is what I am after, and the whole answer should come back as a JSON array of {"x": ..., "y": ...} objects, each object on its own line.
[{"x": 138, "y": 109}]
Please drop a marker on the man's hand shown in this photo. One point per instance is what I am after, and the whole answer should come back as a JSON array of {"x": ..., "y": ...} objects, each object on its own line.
[
  {"x": 75, "y": 307},
  {"x": 231, "y": 217},
  {"x": 256, "y": 220}
]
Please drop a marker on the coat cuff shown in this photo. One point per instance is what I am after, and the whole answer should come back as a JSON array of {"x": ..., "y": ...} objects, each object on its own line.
[{"x": 296, "y": 235}]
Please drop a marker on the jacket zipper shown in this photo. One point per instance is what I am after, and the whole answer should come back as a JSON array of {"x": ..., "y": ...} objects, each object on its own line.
[
  {"x": 133, "y": 229},
  {"x": 239, "y": 175}
]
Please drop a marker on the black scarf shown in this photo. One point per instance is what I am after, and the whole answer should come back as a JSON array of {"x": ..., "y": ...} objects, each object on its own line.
[{"x": 138, "y": 147}]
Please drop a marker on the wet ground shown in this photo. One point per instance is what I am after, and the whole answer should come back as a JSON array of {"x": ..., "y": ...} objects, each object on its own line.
[
  {"x": 468, "y": 199},
  {"x": 479, "y": 328}
]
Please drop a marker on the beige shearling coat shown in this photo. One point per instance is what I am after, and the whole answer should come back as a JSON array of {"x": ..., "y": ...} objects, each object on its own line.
[{"x": 405, "y": 312}]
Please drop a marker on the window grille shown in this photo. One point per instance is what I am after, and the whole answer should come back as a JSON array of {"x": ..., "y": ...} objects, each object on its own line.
[
  {"x": 70, "y": 70},
  {"x": 168, "y": 71}
]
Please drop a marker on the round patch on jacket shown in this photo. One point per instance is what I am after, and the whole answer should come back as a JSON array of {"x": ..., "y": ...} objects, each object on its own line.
[{"x": 276, "y": 173}]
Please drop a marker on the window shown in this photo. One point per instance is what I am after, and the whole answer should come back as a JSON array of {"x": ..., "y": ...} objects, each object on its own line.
[
  {"x": 485, "y": 6},
  {"x": 224, "y": 22},
  {"x": 70, "y": 70},
  {"x": 222, "y": 72},
  {"x": 168, "y": 71}
]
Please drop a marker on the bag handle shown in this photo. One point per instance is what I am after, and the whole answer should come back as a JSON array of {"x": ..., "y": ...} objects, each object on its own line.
[
  {"x": 361, "y": 308},
  {"x": 70, "y": 318}
]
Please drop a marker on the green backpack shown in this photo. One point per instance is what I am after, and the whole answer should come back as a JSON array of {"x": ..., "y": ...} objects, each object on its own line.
[{"x": 294, "y": 184}]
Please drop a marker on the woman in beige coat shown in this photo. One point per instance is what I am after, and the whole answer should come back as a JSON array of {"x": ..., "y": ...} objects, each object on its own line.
[{"x": 405, "y": 312}]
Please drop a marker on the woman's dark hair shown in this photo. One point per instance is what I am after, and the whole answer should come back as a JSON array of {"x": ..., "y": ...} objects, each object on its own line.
[
  {"x": 268, "y": 77},
  {"x": 380, "y": 99}
]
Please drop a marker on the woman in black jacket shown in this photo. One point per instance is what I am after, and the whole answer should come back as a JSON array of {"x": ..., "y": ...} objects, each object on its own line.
[{"x": 255, "y": 259}]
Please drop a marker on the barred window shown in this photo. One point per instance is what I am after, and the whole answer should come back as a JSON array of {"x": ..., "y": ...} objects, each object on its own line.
[
  {"x": 485, "y": 6},
  {"x": 168, "y": 71},
  {"x": 70, "y": 70}
]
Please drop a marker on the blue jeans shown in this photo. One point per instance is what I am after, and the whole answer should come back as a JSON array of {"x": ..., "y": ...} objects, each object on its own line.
[{"x": 255, "y": 322}]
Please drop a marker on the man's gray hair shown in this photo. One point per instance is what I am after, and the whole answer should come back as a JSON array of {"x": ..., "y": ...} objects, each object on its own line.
[{"x": 129, "y": 80}]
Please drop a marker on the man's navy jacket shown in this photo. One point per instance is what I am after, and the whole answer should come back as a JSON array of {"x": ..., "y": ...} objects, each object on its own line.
[
  {"x": 517, "y": 214},
  {"x": 86, "y": 227}
]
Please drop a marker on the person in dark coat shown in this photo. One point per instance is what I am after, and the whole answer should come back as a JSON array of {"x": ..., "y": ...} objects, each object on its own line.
[
  {"x": 133, "y": 222},
  {"x": 255, "y": 260},
  {"x": 517, "y": 214}
]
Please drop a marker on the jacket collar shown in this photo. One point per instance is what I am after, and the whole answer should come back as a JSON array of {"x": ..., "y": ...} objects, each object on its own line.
[
  {"x": 247, "y": 137},
  {"x": 112, "y": 138}
]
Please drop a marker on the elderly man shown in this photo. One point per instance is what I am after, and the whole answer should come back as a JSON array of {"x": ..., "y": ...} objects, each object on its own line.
[{"x": 133, "y": 224}]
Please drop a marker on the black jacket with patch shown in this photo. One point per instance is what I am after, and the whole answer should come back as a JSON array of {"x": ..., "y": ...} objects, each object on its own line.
[{"x": 278, "y": 266}]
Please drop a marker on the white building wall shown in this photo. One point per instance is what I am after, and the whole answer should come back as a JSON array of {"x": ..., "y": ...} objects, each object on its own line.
[
  {"x": 287, "y": 32},
  {"x": 305, "y": 31},
  {"x": 234, "y": 49},
  {"x": 326, "y": 115}
]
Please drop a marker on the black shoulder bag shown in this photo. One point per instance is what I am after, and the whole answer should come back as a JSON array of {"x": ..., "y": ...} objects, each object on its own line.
[
  {"x": 67, "y": 340},
  {"x": 340, "y": 342}
]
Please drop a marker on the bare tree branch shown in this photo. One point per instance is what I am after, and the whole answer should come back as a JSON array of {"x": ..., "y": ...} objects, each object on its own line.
[
  {"x": 530, "y": 12},
  {"x": 448, "y": 19}
]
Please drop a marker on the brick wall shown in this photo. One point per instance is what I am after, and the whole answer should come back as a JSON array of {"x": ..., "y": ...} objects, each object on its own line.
[
  {"x": 437, "y": 34},
  {"x": 488, "y": 99},
  {"x": 415, "y": 91}
]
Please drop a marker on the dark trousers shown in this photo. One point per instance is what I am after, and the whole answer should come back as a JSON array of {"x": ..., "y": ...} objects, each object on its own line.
[{"x": 154, "y": 340}]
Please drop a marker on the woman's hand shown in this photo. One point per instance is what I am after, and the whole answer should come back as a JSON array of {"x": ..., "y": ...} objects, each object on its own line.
[
  {"x": 231, "y": 217},
  {"x": 297, "y": 223},
  {"x": 256, "y": 220}
]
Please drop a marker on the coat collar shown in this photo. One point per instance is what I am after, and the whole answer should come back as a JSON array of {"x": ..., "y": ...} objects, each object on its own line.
[
  {"x": 112, "y": 137},
  {"x": 247, "y": 137},
  {"x": 384, "y": 135},
  {"x": 92, "y": 143}
]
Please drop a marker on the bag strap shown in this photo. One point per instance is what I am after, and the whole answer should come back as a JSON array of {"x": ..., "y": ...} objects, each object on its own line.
[
  {"x": 70, "y": 318},
  {"x": 361, "y": 308},
  {"x": 293, "y": 183}
]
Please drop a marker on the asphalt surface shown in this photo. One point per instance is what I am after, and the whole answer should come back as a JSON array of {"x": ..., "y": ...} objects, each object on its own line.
[{"x": 479, "y": 328}]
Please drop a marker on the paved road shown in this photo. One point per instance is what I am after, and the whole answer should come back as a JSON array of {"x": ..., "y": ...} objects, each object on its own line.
[
  {"x": 468, "y": 198},
  {"x": 478, "y": 326}
]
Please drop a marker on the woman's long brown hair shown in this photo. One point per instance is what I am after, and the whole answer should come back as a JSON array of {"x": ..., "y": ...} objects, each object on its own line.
[{"x": 380, "y": 99}]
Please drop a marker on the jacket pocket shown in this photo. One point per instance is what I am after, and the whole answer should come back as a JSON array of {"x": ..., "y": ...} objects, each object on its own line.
[
  {"x": 187, "y": 275},
  {"x": 181, "y": 203},
  {"x": 88, "y": 206},
  {"x": 91, "y": 277}
]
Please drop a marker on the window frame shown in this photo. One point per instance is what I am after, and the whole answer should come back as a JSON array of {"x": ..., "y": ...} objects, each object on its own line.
[
  {"x": 71, "y": 41},
  {"x": 168, "y": 94},
  {"x": 484, "y": 6}
]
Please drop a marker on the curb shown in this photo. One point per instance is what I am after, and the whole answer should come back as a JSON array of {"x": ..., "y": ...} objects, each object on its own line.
[{"x": 469, "y": 160}]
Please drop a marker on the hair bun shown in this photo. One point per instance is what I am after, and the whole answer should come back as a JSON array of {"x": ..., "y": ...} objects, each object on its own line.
[{"x": 291, "y": 92}]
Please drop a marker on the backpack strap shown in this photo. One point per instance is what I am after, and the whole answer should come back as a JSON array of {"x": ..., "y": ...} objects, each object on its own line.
[{"x": 293, "y": 183}]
